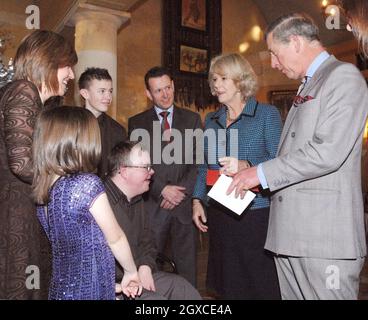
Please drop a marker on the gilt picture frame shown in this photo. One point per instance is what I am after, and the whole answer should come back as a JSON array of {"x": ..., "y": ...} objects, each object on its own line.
[
  {"x": 188, "y": 48},
  {"x": 194, "y": 14},
  {"x": 193, "y": 59}
]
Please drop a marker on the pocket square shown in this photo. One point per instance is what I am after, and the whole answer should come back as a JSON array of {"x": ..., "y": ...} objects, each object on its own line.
[{"x": 301, "y": 100}]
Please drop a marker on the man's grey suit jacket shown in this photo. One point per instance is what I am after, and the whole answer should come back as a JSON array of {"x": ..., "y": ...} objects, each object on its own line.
[{"x": 317, "y": 209}]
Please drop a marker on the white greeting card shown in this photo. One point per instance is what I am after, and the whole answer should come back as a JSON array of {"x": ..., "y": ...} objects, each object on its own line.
[{"x": 218, "y": 193}]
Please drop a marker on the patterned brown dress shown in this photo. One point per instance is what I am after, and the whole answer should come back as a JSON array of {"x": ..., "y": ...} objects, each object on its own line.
[{"x": 23, "y": 244}]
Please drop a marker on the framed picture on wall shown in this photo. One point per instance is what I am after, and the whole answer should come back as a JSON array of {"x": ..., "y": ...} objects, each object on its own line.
[
  {"x": 194, "y": 14},
  {"x": 283, "y": 100},
  {"x": 193, "y": 59},
  {"x": 192, "y": 37}
]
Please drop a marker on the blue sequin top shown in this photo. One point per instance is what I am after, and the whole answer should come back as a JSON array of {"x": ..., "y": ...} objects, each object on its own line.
[{"x": 83, "y": 264}]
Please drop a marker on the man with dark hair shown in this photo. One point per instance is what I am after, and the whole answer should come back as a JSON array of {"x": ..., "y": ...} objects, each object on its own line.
[
  {"x": 95, "y": 86},
  {"x": 169, "y": 198},
  {"x": 316, "y": 226},
  {"x": 129, "y": 177}
]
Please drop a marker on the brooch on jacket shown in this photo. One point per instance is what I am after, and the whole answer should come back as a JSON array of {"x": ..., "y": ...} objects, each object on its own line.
[{"x": 301, "y": 100}]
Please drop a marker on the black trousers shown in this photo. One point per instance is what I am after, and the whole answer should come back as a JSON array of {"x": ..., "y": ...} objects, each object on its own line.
[{"x": 239, "y": 268}]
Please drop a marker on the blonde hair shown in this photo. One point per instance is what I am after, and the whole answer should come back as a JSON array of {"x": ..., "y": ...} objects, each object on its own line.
[
  {"x": 356, "y": 12},
  {"x": 40, "y": 55},
  {"x": 66, "y": 141},
  {"x": 237, "y": 68}
]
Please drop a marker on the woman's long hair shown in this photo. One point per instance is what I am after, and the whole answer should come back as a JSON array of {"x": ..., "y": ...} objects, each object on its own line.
[{"x": 66, "y": 141}]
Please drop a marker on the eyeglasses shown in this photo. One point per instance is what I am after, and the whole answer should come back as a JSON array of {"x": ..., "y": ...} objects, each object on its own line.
[{"x": 147, "y": 167}]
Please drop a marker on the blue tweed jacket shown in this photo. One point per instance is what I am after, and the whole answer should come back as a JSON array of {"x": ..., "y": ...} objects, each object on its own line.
[{"x": 254, "y": 136}]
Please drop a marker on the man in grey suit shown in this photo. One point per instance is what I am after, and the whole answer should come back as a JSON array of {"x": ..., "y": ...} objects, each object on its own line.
[
  {"x": 316, "y": 225},
  {"x": 169, "y": 198}
]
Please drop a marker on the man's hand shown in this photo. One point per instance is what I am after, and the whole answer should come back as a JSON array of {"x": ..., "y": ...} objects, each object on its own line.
[
  {"x": 243, "y": 181},
  {"x": 167, "y": 205},
  {"x": 173, "y": 194},
  {"x": 145, "y": 274},
  {"x": 199, "y": 217},
  {"x": 231, "y": 166}
]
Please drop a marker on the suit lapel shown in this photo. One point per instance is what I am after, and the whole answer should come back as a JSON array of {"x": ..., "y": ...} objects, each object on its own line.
[
  {"x": 307, "y": 89},
  {"x": 152, "y": 117},
  {"x": 292, "y": 113},
  {"x": 288, "y": 121},
  {"x": 178, "y": 122}
]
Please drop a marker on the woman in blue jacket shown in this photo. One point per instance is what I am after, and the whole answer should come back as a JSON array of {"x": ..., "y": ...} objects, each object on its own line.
[{"x": 247, "y": 132}]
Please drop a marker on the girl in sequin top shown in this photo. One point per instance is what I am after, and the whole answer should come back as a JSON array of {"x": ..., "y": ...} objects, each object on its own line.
[{"x": 74, "y": 210}]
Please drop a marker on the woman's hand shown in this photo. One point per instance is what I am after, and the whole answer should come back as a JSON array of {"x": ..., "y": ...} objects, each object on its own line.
[
  {"x": 131, "y": 284},
  {"x": 231, "y": 166},
  {"x": 199, "y": 217}
]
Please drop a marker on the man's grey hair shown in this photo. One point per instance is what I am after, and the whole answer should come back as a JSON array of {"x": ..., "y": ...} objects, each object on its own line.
[{"x": 295, "y": 24}]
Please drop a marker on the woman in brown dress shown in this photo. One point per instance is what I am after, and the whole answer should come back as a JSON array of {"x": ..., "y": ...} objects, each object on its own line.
[{"x": 43, "y": 68}]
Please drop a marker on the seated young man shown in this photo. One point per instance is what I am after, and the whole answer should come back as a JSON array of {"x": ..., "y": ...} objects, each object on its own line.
[{"x": 129, "y": 177}]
